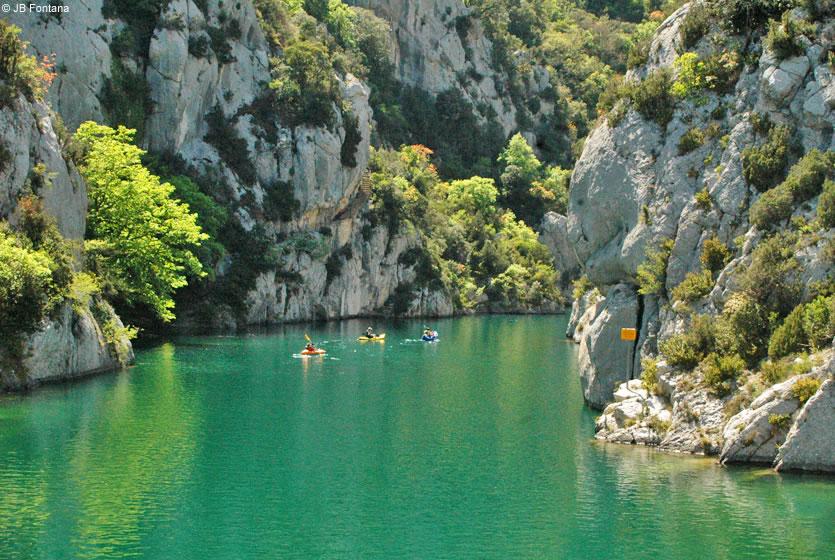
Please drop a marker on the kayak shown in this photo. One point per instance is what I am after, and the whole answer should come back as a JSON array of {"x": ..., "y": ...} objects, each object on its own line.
[
  {"x": 377, "y": 338},
  {"x": 432, "y": 338},
  {"x": 317, "y": 352}
]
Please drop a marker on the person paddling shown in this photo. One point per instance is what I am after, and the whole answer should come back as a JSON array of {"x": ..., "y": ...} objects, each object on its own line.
[
  {"x": 309, "y": 347},
  {"x": 369, "y": 332}
]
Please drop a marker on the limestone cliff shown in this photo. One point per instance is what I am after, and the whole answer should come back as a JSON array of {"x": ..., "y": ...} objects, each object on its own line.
[{"x": 641, "y": 182}]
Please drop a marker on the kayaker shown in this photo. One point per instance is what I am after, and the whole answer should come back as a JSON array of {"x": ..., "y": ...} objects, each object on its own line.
[
  {"x": 369, "y": 333},
  {"x": 309, "y": 347}
]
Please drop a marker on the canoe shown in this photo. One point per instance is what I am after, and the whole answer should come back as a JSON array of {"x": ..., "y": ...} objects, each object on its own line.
[
  {"x": 378, "y": 338},
  {"x": 317, "y": 352},
  {"x": 432, "y": 338}
]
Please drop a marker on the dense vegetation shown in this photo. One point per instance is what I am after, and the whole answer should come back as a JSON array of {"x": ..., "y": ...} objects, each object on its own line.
[
  {"x": 142, "y": 241},
  {"x": 471, "y": 247},
  {"x": 20, "y": 73}
]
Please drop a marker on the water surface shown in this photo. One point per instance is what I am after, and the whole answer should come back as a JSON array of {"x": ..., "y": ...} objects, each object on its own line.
[{"x": 476, "y": 447}]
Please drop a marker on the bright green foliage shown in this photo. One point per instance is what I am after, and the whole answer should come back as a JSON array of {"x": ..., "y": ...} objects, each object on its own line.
[
  {"x": 580, "y": 286},
  {"x": 20, "y": 73},
  {"x": 142, "y": 239},
  {"x": 695, "y": 286},
  {"x": 804, "y": 389},
  {"x": 826, "y": 205},
  {"x": 652, "y": 274},
  {"x": 715, "y": 254},
  {"x": 718, "y": 72},
  {"x": 720, "y": 371},
  {"x": 471, "y": 245},
  {"x": 764, "y": 166},
  {"x": 528, "y": 188},
  {"x": 775, "y": 371},
  {"x": 27, "y": 289}
]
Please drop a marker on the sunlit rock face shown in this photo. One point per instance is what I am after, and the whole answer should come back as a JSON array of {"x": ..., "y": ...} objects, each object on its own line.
[{"x": 634, "y": 186}]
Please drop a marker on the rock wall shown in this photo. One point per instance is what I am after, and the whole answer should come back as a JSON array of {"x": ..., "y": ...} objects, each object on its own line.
[
  {"x": 633, "y": 187},
  {"x": 184, "y": 89},
  {"x": 73, "y": 342}
]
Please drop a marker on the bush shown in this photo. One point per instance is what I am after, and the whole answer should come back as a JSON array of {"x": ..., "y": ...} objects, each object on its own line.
[
  {"x": 653, "y": 98},
  {"x": 580, "y": 286},
  {"x": 649, "y": 375},
  {"x": 703, "y": 200},
  {"x": 715, "y": 254},
  {"x": 742, "y": 15},
  {"x": 819, "y": 322},
  {"x": 772, "y": 208},
  {"x": 789, "y": 337},
  {"x": 230, "y": 146},
  {"x": 743, "y": 328},
  {"x": 764, "y": 166},
  {"x": 652, "y": 273},
  {"x": 695, "y": 286},
  {"x": 198, "y": 46},
  {"x": 780, "y": 421},
  {"x": 719, "y": 371},
  {"x": 770, "y": 278},
  {"x": 126, "y": 97},
  {"x": 691, "y": 140},
  {"x": 681, "y": 350},
  {"x": 695, "y": 25},
  {"x": 304, "y": 84},
  {"x": 20, "y": 73},
  {"x": 826, "y": 205},
  {"x": 280, "y": 203},
  {"x": 804, "y": 389},
  {"x": 782, "y": 38},
  {"x": 806, "y": 177}
]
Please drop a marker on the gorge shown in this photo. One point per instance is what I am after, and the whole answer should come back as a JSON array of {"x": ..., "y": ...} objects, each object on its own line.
[{"x": 433, "y": 159}]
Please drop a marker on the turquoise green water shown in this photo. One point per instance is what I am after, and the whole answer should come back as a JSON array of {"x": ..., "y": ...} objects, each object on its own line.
[{"x": 476, "y": 447}]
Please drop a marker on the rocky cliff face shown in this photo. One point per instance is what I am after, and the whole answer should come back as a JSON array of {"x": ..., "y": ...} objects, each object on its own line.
[
  {"x": 73, "y": 342},
  {"x": 439, "y": 42},
  {"x": 636, "y": 186},
  {"x": 184, "y": 89}
]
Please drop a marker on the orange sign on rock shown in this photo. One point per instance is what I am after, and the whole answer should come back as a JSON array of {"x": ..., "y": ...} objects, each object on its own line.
[{"x": 628, "y": 334}]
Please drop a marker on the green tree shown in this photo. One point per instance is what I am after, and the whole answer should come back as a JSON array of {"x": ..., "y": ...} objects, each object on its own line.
[
  {"x": 521, "y": 171},
  {"x": 142, "y": 239}
]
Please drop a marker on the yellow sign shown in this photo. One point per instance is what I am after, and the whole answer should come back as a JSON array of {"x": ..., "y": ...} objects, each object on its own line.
[{"x": 628, "y": 334}]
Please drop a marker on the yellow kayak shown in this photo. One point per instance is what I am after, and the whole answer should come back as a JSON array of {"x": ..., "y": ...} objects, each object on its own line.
[{"x": 377, "y": 338}]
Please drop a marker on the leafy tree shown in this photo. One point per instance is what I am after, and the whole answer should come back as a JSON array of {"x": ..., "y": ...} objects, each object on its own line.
[
  {"x": 304, "y": 84},
  {"x": 142, "y": 239}
]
